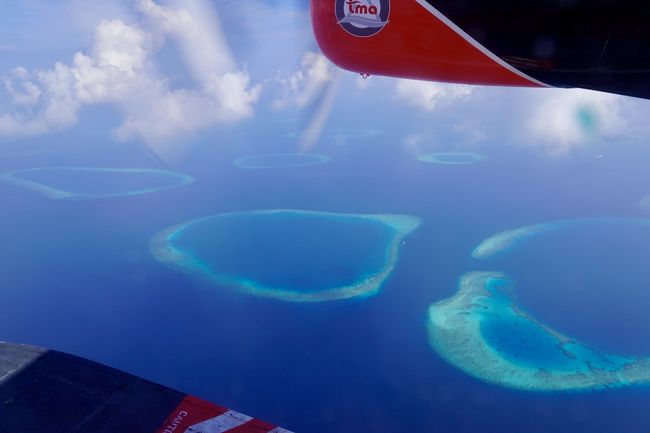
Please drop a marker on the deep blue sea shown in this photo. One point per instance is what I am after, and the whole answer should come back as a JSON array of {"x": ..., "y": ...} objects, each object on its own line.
[{"x": 78, "y": 276}]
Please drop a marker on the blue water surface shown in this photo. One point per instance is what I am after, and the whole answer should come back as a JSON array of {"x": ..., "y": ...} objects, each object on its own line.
[
  {"x": 524, "y": 343},
  {"x": 588, "y": 279},
  {"x": 77, "y": 276},
  {"x": 285, "y": 249}
]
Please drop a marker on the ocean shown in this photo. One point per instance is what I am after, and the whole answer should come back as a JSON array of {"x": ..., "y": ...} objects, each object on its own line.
[{"x": 78, "y": 276}]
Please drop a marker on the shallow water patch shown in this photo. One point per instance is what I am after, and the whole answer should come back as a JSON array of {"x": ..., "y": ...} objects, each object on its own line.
[
  {"x": 484, "y": 331},
  {"x": 481, "y": 331},
  {"x": 292, "y": 255},
  {"x": 452, "y": 158}
]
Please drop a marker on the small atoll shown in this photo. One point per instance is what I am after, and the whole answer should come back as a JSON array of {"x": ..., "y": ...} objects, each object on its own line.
[
  {"x": 452, "y": 158},
  {"x": 481, "y": 331},
  {"x": 87, "y": 183},
  {"x": 281, "y": 160},
  {"x": 508, "y": 239},
  {"x": 334, "y": 133}
]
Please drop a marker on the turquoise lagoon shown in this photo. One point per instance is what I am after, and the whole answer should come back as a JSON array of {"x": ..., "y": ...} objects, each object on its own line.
[
  {"x": 484, "y": 331},
  {"x": 86, "y": 183},
  {"x": 292, "y": 255},
  {"x": 481, "y": 331},
  {"x": 281, "y": 160},
  {"x": 452, "y": 158},
  {"x": 338, "y": 133}
]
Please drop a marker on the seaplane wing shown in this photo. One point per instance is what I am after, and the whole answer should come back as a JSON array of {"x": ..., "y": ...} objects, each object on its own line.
[
  {"x": 48, "y": 391},
  {"x": 593, "y": 44}
]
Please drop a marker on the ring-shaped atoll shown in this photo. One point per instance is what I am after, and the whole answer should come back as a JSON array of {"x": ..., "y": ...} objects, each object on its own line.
[
  {"x": 87, "y": 183},
  {"x": 332, "y": 133},
  {"x": 509, "y": 239},
  {"x": 482, "y": 331},
  {"x": 452, "y": 158},
  {"x": 290, "y": 255},
  {"x": 504, "y": 241},
  {"x": 281, "y": 160}
]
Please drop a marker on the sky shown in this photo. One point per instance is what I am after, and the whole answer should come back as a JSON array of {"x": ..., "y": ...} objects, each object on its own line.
[{"x": 166, "y": 73}]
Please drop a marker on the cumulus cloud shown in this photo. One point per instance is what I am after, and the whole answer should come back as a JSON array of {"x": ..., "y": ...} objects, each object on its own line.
[
  {"x": 42, "y": 101},
  {"x": 564, "y": 119},
  {"x": 555, "y": 121},
  {"x": 223, "y": 100},
  {"x": 314, "y": 86},
  {"x": 20, "y": 89},
  {"x": 307, "y": 83},
  {"x": 428, "y": 96},
  {"x": 120, "y": 68},
  {"x": 414, "y": 142},
  {"x": 196, "y": 27}
]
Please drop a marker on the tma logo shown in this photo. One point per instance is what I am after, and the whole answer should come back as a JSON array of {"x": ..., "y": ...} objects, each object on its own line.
[{"x": 362, "y": 17}]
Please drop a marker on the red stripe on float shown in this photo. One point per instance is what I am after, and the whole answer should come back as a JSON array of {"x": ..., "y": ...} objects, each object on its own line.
[
  {"x": 189, "y": 412},
  {"x": 194, "y": 412},
  {"x": 253, "y": 426}
]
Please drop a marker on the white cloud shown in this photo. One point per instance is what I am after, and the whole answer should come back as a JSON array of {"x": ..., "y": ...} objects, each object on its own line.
[
  {"x": 428, "y": 96},
  {"x": 178, "y": 112},
  {"x": 21, "y": 90},
  {"x": 315, "y": 85},
  {"x": 50, "y": 104},
  {"x": 195, "y": 25},
  {"x": 555, "y": 121},
  {"x": 306, "y": 84},
  {"x": 120, "y": 68},
  {"x": 413, "y": 143},
  {"x": 564, "y": 119},
  {"x": 170, "y": 20}
]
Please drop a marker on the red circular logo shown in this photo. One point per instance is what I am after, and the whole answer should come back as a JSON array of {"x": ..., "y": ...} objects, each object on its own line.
[{"x": 362, "y": 17}]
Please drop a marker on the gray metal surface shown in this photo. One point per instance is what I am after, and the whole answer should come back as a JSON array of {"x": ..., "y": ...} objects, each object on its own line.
[{"x": 45, "y": 391}]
